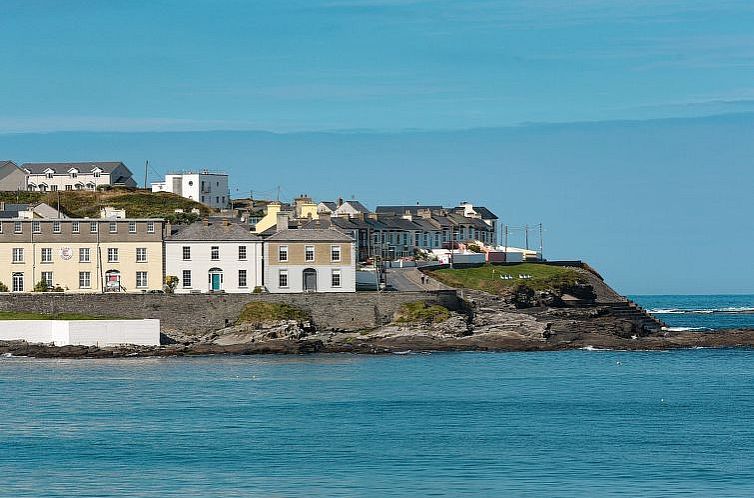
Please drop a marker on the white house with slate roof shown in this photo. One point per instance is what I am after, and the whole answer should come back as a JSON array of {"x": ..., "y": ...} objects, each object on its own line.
[
  {"x": 214, "y": 256},
  {"x": 50, "y": 177}
]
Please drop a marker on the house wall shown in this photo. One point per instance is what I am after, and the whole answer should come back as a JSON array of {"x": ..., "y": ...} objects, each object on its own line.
[
  {"x": 201, "y": 262},
  {"x": 60, "y": 181},
  {"x": 14, "y": 180},
  {"x": 66, "y": 265},
  {"x": 189, "y": 185},
  {"x": 322, "y": 264}
]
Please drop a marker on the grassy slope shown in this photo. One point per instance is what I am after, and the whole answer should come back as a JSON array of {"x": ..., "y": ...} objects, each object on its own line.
[
  {"x": 260, "y": 312},
  {"x": 487, "y": 278},
  {"x": 137, "y": 203}
]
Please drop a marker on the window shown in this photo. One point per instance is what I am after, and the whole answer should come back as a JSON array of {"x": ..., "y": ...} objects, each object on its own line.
[
  {"x": 283, "y": 253},
  {"x": 242, "y": 252},
  {"x": 309, "y": 253},
  {"x": 1, "y": 228},
  {"x": 150, "y": 227},
  {"x": 215, "y": 253},
  {"x": 93, "y": 227},
  {"x": 18, "y": 254},
  {"x": 85, "y": 280},
  {"x": 49, "y": 175},
  {"x": 112, "y": 254},
  {"x": 113, "y": 227},
  {"x": 47, "y": 255},
  {"x": 141, "y": 254},
  {"x": 47, "y": 279},
  {"x": 131, "y": 227},
  {"x": 242, "y": 278},
  {"x": 74, "y": 174},
  {"x": 217, "y": 199},
  {"x": 186, "y": 278},
  {"x": 336, "y": 278},
  {"x": 55, "y": 227},
  {"x": 335, "y": 253},
  {"x": 186, "y": 253},
  {"x": 84, "y": 255},
  {"x": 18, "y": 282},
  {"x": 283, "y": 278},
  {"x": 141, "y": 279},
  {"x": 54, "y": 188},
  {"x": 75, "y": 227},
  {"x": 36, "y": 227},
  {"x": 67, "y": 187},
  {"x": 97, "y": 174}
]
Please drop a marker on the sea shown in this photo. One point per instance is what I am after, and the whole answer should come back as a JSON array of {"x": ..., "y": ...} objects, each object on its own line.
[{"x": 572, "y": 423}]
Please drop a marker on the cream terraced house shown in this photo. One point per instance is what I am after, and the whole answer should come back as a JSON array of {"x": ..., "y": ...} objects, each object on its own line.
[
  {"x": 309, "y": 260},
  {"x": 214, "y": 256},
  {"x": 82, "y": 255}
]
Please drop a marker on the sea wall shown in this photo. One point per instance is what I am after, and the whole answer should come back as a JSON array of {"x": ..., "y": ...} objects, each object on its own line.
[
  {"x": 201, "y": 313},
  {"x": 82, "y": 332}
]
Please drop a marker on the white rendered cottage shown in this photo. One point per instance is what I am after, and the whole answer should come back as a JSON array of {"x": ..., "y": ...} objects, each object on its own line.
[
  {"x": 50, "y": 177},
  {"x": 214, "y": 256}
]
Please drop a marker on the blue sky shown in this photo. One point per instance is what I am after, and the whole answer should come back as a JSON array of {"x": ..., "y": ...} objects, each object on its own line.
[{"x": 625, "y": 126}]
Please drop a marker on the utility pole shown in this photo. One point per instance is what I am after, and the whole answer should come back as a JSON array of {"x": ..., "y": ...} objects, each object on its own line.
[
  {"x": 505, "y": 247},
  {"x": 526, "y": 236},
  {"x": 146, "y": 173},
  {"x": 278, "y": 197},
  {"x": 541, "y": 243}
]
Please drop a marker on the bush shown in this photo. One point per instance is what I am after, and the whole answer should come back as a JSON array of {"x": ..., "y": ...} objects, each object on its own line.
[
  {"x": 260, "y": 312},
  {"x": 421, "y": 312},
  {"x": 171, "y": 282},
  {"x": 41, "y": 286},
  {"x": 3, "y": 287}
]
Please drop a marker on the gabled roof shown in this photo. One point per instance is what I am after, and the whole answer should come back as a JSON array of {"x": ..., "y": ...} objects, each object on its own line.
[
  {"x": 356, "y": 205},
  {"x": 63, "y": 168},
  {"x": 310, "y": 235},
  {"x": 8, "y": 167},
  {"x": 215, "y": 230},
  {"x": 485, "y": 213},
  {"x": 401, "y": 210},
  {"x": 332, "y": 206}
]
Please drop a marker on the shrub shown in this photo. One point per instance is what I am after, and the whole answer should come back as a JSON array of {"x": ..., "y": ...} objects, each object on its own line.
[
  {"x": 260, "y": 312},
  {"x": 171, "y": 282},
  {"x": 41, "y": 286},
  {"x": 3, "y": 287},
  {"x": 421, "y": 312}
]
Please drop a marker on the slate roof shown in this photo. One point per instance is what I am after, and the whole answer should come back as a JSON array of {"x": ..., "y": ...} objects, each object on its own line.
[
  {"x": 6, "y": 168},
  {"x": 485, "y": 213},
  {"x": 62, "y": 168},
  {"x": 12, "y": 210},
  {"x": 310, "y": 235},
  {"x": 357, "y": 206},
  {"x": 332, "y": 206},
  {"x": 401, "y": 210},
  {"x": 216, "y": 230}
]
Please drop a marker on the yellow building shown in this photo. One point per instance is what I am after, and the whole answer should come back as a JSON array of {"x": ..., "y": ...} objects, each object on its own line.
[{"x": 82, "y": 255}]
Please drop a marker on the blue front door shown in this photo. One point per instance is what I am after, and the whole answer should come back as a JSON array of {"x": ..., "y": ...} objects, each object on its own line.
[{"x": 215, "y": 281}]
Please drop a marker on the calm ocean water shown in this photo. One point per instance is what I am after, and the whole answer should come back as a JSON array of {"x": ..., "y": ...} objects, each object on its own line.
[
  {"x": 701, "y": 312},
  {"x": 574, "y": 423}
]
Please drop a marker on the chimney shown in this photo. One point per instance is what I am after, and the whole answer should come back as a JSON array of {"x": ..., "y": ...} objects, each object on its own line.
[
  {"x": 340, "y": 201},
  {"x": 373, "y": 216},
  {"x": 325, "y": 218},
  {"x": 168, "y": 229},
  {"x": 282, "y": 221}
]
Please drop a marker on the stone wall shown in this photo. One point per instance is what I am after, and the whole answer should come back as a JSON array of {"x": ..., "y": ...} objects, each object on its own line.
[{"x": 201, "y": 313}]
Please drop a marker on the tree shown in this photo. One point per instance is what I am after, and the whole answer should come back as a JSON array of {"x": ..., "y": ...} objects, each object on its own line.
[
  {"x": 3, "y": 287},
  {"x": 41, "y": 286},
  {"x": 171, "y": 282}
]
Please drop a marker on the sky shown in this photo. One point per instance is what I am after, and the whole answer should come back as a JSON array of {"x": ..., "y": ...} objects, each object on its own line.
[{"x": 625, "y": 127}]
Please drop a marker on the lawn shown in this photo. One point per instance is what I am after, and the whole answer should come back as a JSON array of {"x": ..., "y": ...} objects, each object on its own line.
[
  {"x": 487, "y": 277},
  {"x": 27, "y": 315}
]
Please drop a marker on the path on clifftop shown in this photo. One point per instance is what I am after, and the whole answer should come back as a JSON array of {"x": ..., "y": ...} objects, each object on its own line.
[{"x": 410, "y": 279}]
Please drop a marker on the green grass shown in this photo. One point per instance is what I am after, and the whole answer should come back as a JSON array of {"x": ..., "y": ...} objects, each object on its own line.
[
  {"x": 487, "y": 278},
  {"x": 27, "y": 315},
  {"x": 137, "y": 203},
  {"x": 421, "y": 312},
  {"x": 260, "y": 312}
]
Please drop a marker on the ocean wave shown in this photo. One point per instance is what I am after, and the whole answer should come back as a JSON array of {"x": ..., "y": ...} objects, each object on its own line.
[
  {"x": 592, "y": 348},
  {"x": 703, "y": 311}
]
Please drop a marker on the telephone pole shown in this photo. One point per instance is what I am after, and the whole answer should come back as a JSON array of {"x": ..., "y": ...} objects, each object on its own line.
[
  {"x": 526, "y": 236},
  {"x": 541, "y": 244},
  {"x": 146, "y": 173}
]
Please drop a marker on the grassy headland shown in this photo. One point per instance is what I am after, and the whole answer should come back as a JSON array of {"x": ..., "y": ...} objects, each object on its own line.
[
  {"x": 83, "y": 204},
  {"x": 421, "y": 312},
  {"x": 488, "y": 277}
]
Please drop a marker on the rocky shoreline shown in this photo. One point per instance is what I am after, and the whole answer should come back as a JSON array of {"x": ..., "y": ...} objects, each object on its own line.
[{"x": 492, "y": 323}]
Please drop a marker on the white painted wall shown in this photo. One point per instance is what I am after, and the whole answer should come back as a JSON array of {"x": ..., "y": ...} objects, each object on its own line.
[
  {"x": 82, "y": 332},
  {"x": 215, "y": 194},
  {"x": 201, "y": 263}
]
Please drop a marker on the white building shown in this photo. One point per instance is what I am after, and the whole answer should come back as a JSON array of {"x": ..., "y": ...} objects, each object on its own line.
[
  {"x": 50, "y": 177},
  {"x": 209, "y": 188},
  {"x": 214, "y": 256}
]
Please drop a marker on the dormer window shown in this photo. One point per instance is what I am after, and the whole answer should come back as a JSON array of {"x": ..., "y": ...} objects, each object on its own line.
[
  {"x": 96, "y": 172},
  {"x": 74, "y": 174},
  {"x": 49, "y": 173}
]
